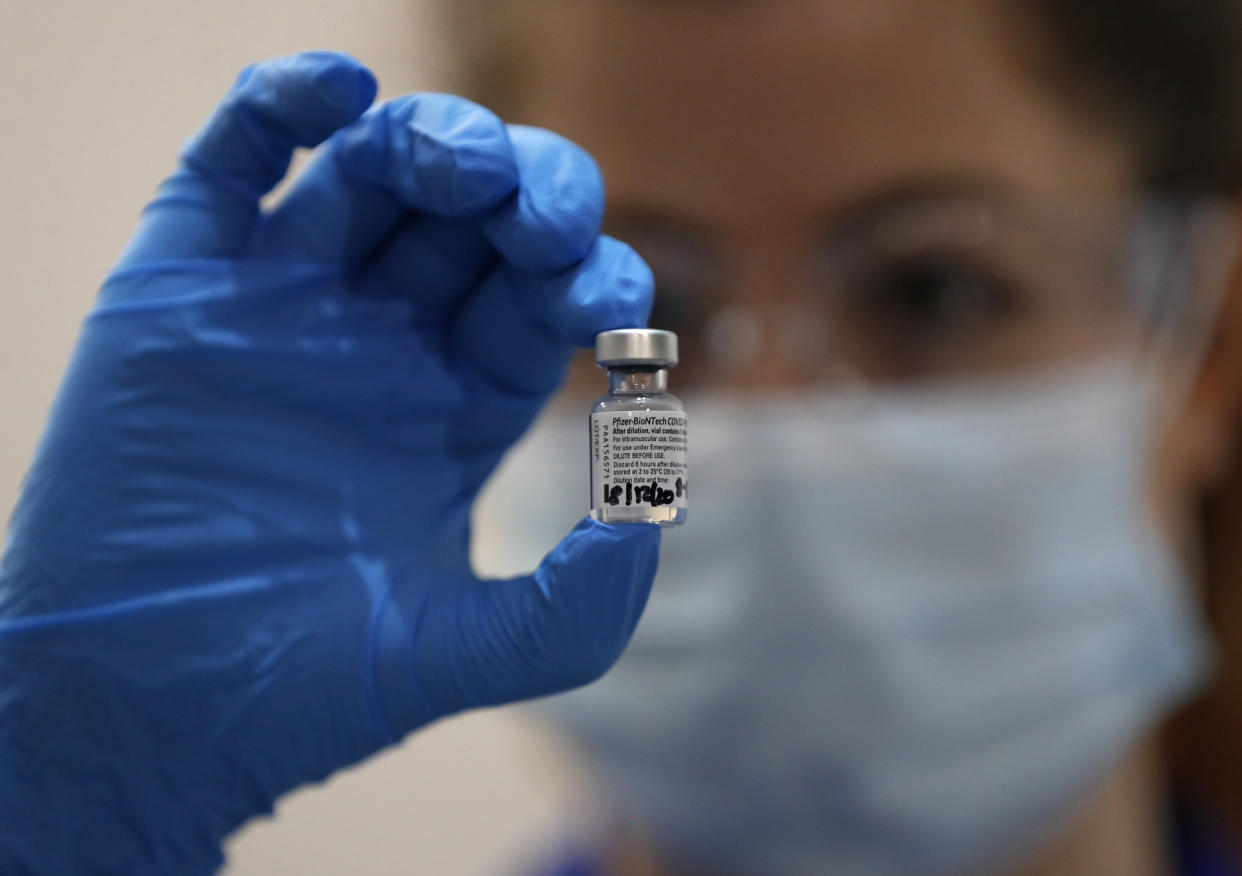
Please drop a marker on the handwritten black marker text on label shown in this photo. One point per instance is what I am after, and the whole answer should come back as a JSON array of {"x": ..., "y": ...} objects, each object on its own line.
[{"x": 645, "y": 494}]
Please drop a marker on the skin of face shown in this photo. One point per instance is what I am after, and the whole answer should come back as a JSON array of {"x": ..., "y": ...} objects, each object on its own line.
[{"x": 732, "y": 133}]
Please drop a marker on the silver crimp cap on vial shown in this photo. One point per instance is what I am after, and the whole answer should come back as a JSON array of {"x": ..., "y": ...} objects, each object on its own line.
[{"x": 636, "y": 347}]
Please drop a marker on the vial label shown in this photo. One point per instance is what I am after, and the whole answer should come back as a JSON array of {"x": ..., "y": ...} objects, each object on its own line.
[{"x": 638, "y": 460}]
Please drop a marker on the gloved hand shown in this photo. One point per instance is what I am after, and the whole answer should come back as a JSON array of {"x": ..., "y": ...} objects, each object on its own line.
[{"x": 239, "y": 561}]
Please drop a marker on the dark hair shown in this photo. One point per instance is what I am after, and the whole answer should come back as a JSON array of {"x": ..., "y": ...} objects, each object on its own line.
[{"x": 1168, "y": 71}]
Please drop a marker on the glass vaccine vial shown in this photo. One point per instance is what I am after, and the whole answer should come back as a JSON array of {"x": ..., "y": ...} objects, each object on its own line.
[{"x": 638, "y": 432}]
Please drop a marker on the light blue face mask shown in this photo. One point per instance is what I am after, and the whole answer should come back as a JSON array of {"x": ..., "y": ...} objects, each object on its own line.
[{"x": 899, "y": 635}]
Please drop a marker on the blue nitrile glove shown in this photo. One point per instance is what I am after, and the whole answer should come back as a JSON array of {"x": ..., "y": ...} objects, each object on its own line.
[{"x": 239, "y": 561}]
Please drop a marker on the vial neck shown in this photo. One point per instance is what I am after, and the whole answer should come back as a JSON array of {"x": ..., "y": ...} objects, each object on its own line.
[{"x": 637, "y": 381}]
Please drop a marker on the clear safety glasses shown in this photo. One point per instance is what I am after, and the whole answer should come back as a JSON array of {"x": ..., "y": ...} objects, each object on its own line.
[{"x": 954, "y": 287}]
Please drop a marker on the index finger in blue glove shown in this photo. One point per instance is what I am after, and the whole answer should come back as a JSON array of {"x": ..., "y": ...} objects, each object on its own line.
[
  {"x": 433, "y": 260},
  {"x": 207, "y": 208},
  {"x": 552, "y": 220},
  {"x": 547, "y": 225},
  {"x": 519, "y": 329},
  {"x": 424, "y": 153}
]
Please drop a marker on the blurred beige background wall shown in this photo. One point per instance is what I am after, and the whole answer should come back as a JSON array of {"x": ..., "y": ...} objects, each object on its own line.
[{"x": 95, "y": 99}]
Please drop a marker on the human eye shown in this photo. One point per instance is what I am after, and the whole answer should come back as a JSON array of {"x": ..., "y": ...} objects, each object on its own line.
[
  {"x": 917, "y": 314},
  {"x": 929, "y": 296}
]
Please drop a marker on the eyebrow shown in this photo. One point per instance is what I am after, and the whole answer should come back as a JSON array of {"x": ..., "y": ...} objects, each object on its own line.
[
  {"x": 852, "y": 215},
  {"x": 862, "y": 212}
]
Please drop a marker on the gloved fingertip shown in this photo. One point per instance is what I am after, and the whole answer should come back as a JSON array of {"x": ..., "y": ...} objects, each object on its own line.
[
  {"x": 628, "y": 552},
  {"x": 480, "y": 177},
  {"x": 632, "y": 290},
  {"x": 616, "y": 536},
  {"x": 560, "y": 628},
  {"x": 345, "y": 83},
  {"x": 613, "y": 288},
  {"x": 462, "y": 151},
  {"x": 310, "y": 94},
  {"x": 594, "y": 585},
  {"x": 436, "y": 152},
  {"x": 553, "y": 220}
]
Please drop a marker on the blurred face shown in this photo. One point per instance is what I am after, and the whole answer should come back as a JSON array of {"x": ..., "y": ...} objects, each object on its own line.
[
  {"x": 881, "y": 193},
  {"x": 868, "y": 190}
]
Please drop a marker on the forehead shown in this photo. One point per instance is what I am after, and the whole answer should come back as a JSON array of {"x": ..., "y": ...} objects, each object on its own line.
[{"x": 770, "y": 110}]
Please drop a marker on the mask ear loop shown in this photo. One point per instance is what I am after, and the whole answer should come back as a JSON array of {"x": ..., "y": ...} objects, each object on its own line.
[
  {"x": 1188, "y": 271},
  {"x": 1180, "y": 251},
  {"x": 1187, "y": 252}
]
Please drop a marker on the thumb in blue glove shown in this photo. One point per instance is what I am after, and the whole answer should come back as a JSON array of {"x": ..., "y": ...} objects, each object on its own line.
[{"x": 239, "y": 560}]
